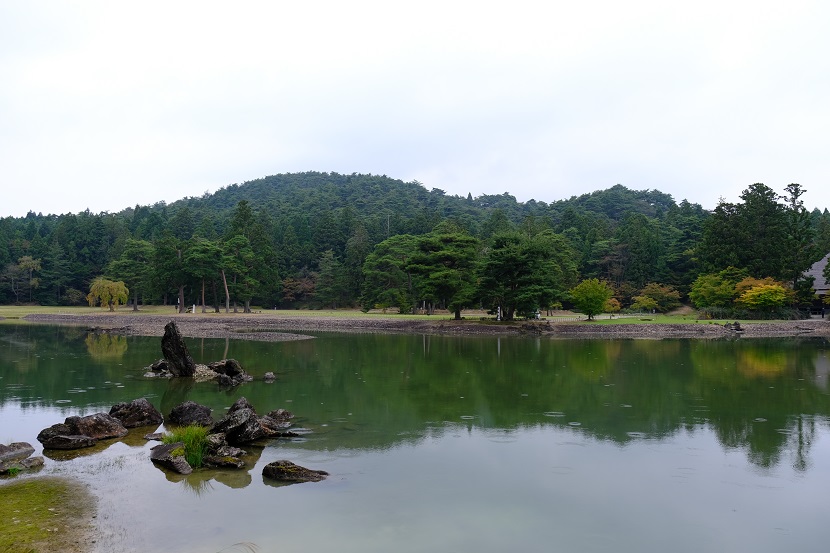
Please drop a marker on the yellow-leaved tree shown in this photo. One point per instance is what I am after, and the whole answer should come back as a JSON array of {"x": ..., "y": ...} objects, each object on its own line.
[{"x": 109, "y": 293}]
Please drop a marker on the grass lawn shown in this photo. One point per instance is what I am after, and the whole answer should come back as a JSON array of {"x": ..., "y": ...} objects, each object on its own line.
[
  {"x": 20, "y": 311},
  {"x": 12, "y": 313}
]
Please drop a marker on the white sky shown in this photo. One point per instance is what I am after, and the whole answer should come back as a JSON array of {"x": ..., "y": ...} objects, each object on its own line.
[{"x": 104, "y": 105}]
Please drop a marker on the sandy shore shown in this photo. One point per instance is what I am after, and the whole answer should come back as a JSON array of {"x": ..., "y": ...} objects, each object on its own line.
[{"x": 270, "y": 327}]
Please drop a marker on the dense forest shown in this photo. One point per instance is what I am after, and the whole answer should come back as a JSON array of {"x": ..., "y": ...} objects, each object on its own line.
[{"x": 330, "y": 240}]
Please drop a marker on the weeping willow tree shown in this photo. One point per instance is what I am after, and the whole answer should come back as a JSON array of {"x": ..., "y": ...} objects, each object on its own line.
[{"x": 108, "y": 293}]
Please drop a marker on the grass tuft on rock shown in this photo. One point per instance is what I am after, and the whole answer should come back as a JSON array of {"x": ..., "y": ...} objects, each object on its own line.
[{"x": 194, "y": 438}]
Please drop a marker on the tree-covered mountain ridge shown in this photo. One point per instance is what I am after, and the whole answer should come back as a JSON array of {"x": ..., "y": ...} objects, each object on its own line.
[
  {"x": 366, "y": 193},
  {"x": 319, "y": 238}
]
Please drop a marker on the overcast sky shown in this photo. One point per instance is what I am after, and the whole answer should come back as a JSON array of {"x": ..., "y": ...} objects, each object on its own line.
[{"x": 104, "y": 105}]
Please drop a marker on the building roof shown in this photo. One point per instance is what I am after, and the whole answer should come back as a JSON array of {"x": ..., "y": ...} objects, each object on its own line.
[{"x": 821, "y": 286}]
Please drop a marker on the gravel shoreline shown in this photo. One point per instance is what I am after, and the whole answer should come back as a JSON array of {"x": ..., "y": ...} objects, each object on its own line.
[{"x": 271, "y": 328}]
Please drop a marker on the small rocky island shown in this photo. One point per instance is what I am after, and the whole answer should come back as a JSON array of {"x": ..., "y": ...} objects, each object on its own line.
[{"x": 220, "y": 447}]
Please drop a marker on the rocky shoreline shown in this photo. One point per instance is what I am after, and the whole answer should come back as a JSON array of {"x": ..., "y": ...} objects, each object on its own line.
[{"x": 272, "y": 328}]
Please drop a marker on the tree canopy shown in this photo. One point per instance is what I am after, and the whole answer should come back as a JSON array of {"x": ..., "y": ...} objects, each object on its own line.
[{"x": 313, "y": 239}]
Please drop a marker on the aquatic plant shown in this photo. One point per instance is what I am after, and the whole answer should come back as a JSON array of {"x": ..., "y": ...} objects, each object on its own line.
[{"x": 194, "y": 438}]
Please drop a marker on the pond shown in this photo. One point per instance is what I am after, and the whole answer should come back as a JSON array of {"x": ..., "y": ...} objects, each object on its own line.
[{"x": 463, "y": 444}]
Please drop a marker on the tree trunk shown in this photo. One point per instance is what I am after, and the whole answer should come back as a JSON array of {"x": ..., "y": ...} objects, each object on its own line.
[
  {"x": 227, "y": 295},
  {"x": 135, "y": 300},
  {"x": 204, "y": 309},
  {"x": 458, "y": 314},
  {"x": 181, "y": 287}
]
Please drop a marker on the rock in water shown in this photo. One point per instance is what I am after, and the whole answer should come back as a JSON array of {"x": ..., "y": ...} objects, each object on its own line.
[
  {"x": 138, "y": 412},
  {"x": 286, "y": 471},
  {"x": 230, "y": 367},
  {"x": 100, "y": 426},
  {"x": 175, "y": 352},
  {"x": 15, "y": 451},
  {"x": 60, "y": 436},
  {"x": 169, "y": 456},
  {"x": 230, "y": 372},
  {"x": 190, "y": 412},
  {"x": 241, "y": 426}
]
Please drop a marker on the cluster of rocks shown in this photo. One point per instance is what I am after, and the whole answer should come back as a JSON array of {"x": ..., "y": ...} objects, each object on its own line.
[
  {"x": 240, "y": 425},
  {"x": 177, "y": 362},
  {"x": 17, "y": 456},
  {"x": 78, "y": 432},
  {"x": 227, "y": 372}
]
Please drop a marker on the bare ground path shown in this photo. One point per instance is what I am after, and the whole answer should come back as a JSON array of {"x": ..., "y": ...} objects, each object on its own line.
[{"x": 268, "y": 326}]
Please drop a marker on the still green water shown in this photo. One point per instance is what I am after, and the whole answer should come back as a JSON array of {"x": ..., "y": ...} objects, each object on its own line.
[{"x": 456, "y": 443}]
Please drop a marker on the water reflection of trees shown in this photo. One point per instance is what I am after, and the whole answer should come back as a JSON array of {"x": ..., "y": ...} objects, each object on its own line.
[
  {"x": 765, "y": 397},
  {"x": 105, "y": 346},
  {"x": 755, "y": 395}
]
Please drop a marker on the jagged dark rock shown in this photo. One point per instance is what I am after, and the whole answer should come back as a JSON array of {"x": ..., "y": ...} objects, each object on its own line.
[
  {"x": 138, "y": 412},
  {"x": 230, "y": 372},
  {"x": 241, "y": 403},
  {"x": 230, "y": 367},
  {"x": 286, "y": 471},
  {"x": 277, "y": 420},
  {"x": 175, "y": 352},
  {"x": 190, "y": 412},
  {"x": 169, "y": 457},
  {"x": 269, "y": 377},
  {"x": 217, "y": 444},
  {"x": 241, "y": 426}
]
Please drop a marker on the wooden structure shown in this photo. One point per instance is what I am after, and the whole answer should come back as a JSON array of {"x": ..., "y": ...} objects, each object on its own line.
[{"x": 820, "y": 285}]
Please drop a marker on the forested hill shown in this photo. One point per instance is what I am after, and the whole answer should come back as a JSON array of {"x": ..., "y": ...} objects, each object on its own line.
[
  {"x": 409, "y": 205},
  {"x": 279, "y": 236}
]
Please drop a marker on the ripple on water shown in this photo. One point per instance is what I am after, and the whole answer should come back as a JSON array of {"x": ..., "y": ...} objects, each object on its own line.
[
  {"x": 468, "y": 417},
  {"x": 574, "y": 423},
  {"x": 554, "y": 414},
  {"x": 636, "y": 435},
  {"x": 63, "y": 401},
  {"x": 760, "y": 419}
]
